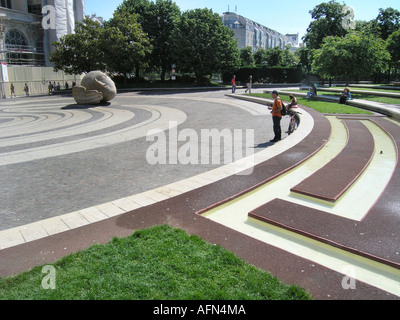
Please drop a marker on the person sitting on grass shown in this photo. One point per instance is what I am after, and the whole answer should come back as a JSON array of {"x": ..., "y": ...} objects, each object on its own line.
[
  {"x": 312, "y": 92},
  {"x": 345, "y": 96}
]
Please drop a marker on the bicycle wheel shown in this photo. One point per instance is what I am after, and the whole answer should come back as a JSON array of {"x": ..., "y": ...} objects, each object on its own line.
[{"x": 292, "y": 126}]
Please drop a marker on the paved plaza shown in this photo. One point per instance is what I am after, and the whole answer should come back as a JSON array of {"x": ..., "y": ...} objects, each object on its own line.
[
  {"x": 318, "y": 209},
  {"x": 57, "y": 157}
]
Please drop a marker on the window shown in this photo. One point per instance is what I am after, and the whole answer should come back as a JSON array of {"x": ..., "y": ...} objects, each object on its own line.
[
  {"x": 35, "y": 6},
  {"x": 17, "y": 46},
  {"x": 15, "y": 38},
  {"x": 6, "y": 4}
]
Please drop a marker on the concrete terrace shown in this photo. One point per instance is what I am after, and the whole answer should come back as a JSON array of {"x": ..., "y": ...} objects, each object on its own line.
[
  {"x": 386, "y": 109},
  {"x": 317, "y": 209}
]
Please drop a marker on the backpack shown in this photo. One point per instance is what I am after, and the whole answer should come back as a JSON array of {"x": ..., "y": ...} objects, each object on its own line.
[{"x": 284, "y": 111}]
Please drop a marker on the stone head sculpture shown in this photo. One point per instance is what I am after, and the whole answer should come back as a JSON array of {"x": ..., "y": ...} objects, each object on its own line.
[{"x": 95, "y": 87}]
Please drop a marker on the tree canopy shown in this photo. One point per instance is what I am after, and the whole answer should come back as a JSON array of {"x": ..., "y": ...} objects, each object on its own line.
[
  {"x": 158, "y": 19},
  {"x": 327, "y": 21},
  {"x": 337, "y": 49},
  {"x": 394, "y": 48},
  {"x": 203, "y": 45},
  {"x": 150, "y": 35},
  {"x": 247, "y": 57},
  {"x": 355, "y": 55},
  {"x": 115, "y": 47},
  {"x": 125, "y": 44},
  {"x": 387, "y": 22},
  {"x": 271, "y": 57},
  {"x": 80, "y": 52},
  {"x": 155, "y": 35}
]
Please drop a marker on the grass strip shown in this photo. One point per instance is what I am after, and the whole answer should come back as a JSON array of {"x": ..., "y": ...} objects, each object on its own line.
[
  {"x": 368, "y": 97},
  {"x": 394, "y": 90},
  {"x": 321, "y": 106},
  {"x": 385, "y": 100},
  {"x": 156, "y": 263}
]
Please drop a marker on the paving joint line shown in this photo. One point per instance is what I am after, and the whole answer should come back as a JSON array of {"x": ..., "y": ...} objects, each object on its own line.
[{"x": 49, "y": 227}]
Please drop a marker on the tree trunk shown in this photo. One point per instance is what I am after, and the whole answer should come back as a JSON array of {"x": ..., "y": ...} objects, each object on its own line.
[
  {"x": 163, "y": 72},
  {"x": 137, "y": 75}
]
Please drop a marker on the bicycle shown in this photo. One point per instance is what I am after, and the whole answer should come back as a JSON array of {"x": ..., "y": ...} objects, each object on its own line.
[{"x": 294, "y": 120}]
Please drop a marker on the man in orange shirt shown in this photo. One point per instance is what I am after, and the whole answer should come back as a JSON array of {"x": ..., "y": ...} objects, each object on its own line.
[{"x": 276, "y": 116}]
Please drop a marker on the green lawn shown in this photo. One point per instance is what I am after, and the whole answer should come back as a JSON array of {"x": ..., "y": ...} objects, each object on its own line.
[
  {"x": 321, "y": 106},
  {"x": 386, "y": 100},
  {"x": 156, "y": 263},
  {"x": 369, "y": 97},
  {"x": 372, "y": 89}
]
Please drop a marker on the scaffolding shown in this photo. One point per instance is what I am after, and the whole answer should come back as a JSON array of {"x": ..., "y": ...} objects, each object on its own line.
[{"x": 22, "y": 55}]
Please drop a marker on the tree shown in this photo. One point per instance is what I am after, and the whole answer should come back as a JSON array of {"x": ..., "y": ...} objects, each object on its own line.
[
  {"x": 370, "y": 27},
  {"x": 274, "y": 56},
  {"x": 356, "y": 55},
  {"x": 246, "y": 57},
  {"x": 80, "y": 52},
  {"x": 139, "y": 7},
  {"x": 158, "y": 19},
  {"x": 164, "y": 14},
  {"x": 393, "y": 46},
  {"x": 203, "y": 45},
  {"x": 278, "y": 57},
  {"x": 388, "y": 21},
  {"x": 125, "y": 39},
  {"x": 260, "y": 57},
  {"x": 305, "y": 59},
  {"x": 119, "y": 46},
  {"x": 328, "y": 21},
  {"x": 288, "y": 58}
]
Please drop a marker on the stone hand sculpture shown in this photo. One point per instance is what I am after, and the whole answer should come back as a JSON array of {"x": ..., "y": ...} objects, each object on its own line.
[
  {"x": 95, "y": 87},
  {"x": 83, "y": 96}
]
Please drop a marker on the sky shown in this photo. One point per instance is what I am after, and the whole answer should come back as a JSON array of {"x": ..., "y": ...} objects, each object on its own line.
[{"x": 284, "y": 16}]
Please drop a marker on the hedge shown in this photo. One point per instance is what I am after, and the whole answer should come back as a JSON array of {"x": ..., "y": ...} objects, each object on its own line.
[{"x": 266, "y": 75}]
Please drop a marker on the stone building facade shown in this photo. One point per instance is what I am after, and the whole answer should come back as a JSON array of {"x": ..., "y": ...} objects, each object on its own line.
[
  {"x": 27, "y": 28},
  {"x": 249, "y": 33}
]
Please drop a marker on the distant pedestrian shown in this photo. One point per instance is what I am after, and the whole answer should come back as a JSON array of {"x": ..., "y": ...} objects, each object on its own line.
[
  {"x": 12, "y": 90},
  {"x": 312, "y": 92},
  {"x": 276, "y": 116},
  {"x": 346, "y": 95},
  {"x": 234, "y": 84},
  {"x": 26, "y": 89},
  {"x": 249, "y": 83},
  {"x": 50, "y": 88},
  {"x": 66, "y": 85}
]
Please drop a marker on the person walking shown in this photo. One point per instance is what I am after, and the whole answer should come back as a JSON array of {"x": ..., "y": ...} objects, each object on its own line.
[
  {"x": 26, "y": 89},
  {"x": 12, "y": 90},
  {"x": 249, "y": 82},
  {"x": 276, "y": 116},
  {"x": 234, "y": 84},
  {"x": 50, "y": 88}
]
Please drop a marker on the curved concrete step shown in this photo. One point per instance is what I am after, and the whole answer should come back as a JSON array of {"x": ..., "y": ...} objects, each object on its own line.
[{"x": 332, "y": 180}]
